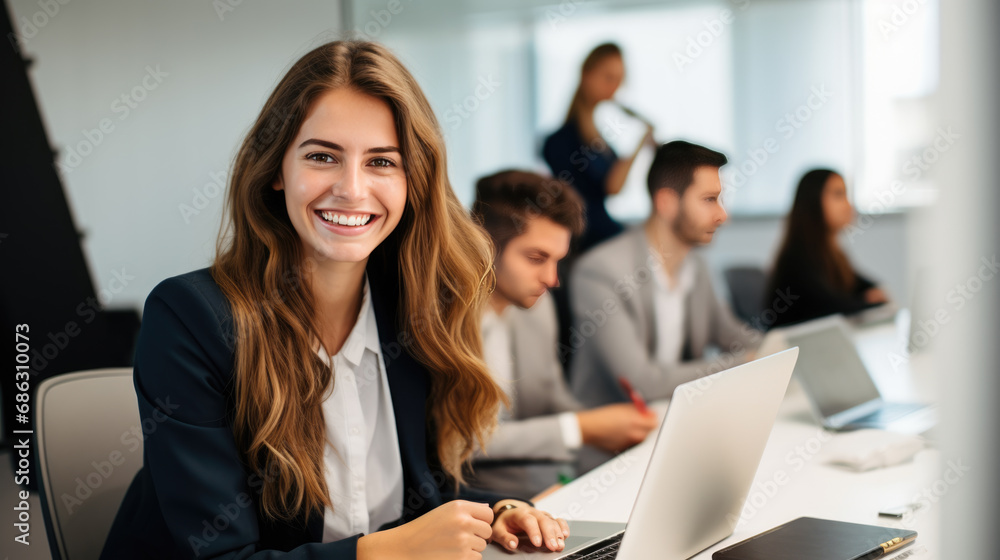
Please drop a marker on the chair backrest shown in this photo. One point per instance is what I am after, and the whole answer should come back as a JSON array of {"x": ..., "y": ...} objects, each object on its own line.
[
  {"x": 89, "y": 438},
  {"x": 746, "y": 291}
]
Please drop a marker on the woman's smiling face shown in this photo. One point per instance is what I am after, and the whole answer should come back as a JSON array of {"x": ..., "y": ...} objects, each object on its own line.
[{"x": 343, "y": 177}]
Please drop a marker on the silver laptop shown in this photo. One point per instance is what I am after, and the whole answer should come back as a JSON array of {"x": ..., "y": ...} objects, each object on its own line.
[
  {"x": 699, "y": 475},
  {"x": 839, "y": 386}
]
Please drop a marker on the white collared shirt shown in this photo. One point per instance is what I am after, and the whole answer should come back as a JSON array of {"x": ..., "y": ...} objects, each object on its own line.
[
  {"x": 364, "y": 471},
  {"x": 669, "y": 313},
  {"x": 498, "y": 353}
]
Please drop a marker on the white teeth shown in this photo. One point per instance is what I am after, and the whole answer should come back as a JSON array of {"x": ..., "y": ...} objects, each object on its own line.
[{"x": 346, "y": 220}]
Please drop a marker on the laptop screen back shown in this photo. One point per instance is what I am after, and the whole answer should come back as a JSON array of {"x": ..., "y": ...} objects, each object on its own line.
[{"x": 831, "y": 371}]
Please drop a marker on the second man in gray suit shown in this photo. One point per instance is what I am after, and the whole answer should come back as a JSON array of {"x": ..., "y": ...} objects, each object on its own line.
[{"x": 643, "y": 303}]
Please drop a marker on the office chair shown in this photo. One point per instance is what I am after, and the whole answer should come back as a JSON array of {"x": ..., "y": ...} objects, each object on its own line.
[
  {"x": 89, "y": 448},
  {"x": 746, "y": 291}
]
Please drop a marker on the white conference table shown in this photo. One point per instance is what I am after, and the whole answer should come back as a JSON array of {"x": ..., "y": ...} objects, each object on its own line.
[{"x": 794, "y": 478}]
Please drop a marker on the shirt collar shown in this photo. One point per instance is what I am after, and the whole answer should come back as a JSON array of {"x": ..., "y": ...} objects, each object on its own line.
[{"x": 684, "y": 280}]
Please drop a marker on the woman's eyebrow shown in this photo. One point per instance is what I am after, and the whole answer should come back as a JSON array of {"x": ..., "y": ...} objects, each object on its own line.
[
  {"x": 339, "y": 148},
  {"x": 324, "y": 143}
]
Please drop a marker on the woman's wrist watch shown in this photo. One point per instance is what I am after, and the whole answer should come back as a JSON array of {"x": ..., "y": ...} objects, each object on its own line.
[{"x": 501, "y": 509}]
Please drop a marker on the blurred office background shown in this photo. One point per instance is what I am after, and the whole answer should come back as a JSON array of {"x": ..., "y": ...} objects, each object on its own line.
[
  {"x": 898, "y": 95},
  {"x": 818, "y": 82}
]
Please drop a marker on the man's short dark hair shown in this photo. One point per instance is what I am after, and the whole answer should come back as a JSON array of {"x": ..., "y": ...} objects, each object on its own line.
[
  {"x": 674, "y": 164},
  {"x": 505, "y": 201}
]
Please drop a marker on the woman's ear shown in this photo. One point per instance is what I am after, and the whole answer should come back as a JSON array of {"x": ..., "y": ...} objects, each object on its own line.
[{"x": 277, "y": 184}]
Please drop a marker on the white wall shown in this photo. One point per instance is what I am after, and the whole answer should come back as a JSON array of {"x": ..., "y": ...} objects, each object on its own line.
[
  {"x": 217, "y": 69},
  {"x": 962, "y": 233},
  {"x": 128, "y": 193},
  {"x": 794, "y": 79}
]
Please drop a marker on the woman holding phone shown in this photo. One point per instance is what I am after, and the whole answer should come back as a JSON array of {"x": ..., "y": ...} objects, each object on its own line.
[{"x": 318, "y": 390}]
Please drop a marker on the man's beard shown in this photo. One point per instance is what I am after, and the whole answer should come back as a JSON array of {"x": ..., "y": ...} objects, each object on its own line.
[{"x": 684, "y": 229}]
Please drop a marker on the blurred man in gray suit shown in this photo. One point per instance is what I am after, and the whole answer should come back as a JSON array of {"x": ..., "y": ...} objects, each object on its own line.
[
  {"x": 531, "y": 220},
  {"x": 643, "y": 304}
]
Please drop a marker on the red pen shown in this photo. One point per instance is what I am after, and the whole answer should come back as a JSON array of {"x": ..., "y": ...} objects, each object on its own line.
[{"x": 634, "y": 395}]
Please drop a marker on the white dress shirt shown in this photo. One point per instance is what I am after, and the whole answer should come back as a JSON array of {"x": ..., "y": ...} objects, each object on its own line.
[
  {"x": 498, "y": 353},
  {"x": 364, "y": 471},
  {"x": 668, "y": 307}
]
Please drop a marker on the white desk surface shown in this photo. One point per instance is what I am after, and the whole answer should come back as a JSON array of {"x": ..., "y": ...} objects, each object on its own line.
[{"x": 793, "y": 479}]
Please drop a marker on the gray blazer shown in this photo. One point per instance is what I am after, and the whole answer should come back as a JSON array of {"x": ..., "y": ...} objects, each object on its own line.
[
  {"x": 614, "y": 334},
  {"x": 527, "y": 452}
]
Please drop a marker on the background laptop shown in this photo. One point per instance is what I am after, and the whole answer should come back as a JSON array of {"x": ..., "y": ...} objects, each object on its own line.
[
  {"x": 699, "y": 475},
  {"x": 839, "y": 386}
]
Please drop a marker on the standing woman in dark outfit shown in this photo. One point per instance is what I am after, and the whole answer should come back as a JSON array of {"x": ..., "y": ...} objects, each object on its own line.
[
  {"x": 810, "y": 264},
  {"x": 318, "y": 390},
  {"x": 578, "y": 154}
]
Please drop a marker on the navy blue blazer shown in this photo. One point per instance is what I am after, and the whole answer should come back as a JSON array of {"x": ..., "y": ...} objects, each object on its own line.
[
  {"x": 194, "y": 497},
  {"x": 586, "y": 168}
]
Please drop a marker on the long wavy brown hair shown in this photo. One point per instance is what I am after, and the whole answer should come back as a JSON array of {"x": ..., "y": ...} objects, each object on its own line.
[{"x": 437, "y": 258}]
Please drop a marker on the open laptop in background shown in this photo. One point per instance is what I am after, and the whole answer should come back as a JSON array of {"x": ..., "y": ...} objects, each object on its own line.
[
  {"x": 840, "y": 388},
  {"x": 703, "y": 463}
]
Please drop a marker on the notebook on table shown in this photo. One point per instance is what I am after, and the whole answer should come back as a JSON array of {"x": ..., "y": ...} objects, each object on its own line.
[{"x": 819, "y": 539}]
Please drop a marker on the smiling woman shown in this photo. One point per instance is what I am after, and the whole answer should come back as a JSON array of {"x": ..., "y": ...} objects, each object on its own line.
[
  {"x": 327, "y": 368},
  {"x": 343, "y": 176}
]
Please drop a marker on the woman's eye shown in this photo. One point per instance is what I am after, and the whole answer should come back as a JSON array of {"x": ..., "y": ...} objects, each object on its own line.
[
  {"x": 383, "y": 162},
  {"x": 321, "y": 157}
]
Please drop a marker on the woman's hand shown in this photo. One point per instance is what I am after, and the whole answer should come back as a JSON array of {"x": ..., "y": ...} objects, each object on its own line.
[
  {"x": 876, "y": 295},
  {"x": 541, "y": 529},
  {"x": 648, "y": 139},
  {"x": 457, "y": 530}
]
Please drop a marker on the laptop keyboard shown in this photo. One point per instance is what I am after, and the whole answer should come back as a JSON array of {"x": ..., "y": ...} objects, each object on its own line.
[
  {"x": 889, "y": 412},
  {"x": 604, "y": 550}
]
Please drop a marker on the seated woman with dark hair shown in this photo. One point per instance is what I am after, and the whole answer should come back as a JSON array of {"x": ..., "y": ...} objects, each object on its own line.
[{"x": 811, "y": 264}]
